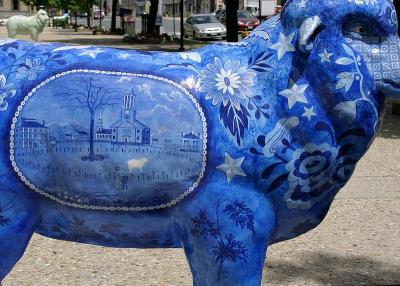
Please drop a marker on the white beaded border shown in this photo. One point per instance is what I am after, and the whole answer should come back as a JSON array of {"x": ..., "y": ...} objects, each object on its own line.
[{"x": 124, "y": 209}]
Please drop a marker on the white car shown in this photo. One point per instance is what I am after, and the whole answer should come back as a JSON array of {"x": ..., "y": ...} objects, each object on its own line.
[{"x": 204, "y": 26}]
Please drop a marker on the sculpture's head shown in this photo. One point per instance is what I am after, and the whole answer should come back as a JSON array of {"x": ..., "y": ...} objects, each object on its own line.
[
  {"x": 42, "y": 16},
  {"x": 350, "y": 52},
  {"x": 344, "y": 65}
]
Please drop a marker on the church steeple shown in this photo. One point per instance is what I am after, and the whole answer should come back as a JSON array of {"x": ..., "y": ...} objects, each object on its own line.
[
  {"x": 100, "y": 121},
  {"x": 130, "y": 105}
]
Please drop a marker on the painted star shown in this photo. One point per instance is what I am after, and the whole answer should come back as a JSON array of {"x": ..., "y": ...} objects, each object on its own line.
[
  {"x": 302, "y": 4},
  {"x": 295, "y": 94},
  {"x": 325, "y": 56},
  {"x": 232, "y": 167},
  {"x": 91, "y": 53},
  {"x": 123, "y": 56},
  {"x": 284, "y": 45},
  {"x": 309, "y": 112}
]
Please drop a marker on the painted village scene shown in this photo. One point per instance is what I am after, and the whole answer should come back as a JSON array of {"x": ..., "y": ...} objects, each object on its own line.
[{"x": 112, "y": 141}]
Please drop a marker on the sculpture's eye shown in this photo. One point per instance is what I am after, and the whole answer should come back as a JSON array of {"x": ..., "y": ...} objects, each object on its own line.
[{"x": 357, "y": 30}]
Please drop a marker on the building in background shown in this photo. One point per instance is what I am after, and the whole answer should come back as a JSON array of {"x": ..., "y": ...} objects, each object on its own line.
[
  {"x": 10, "y": 8},
  {"x": 128, "y": 5}
]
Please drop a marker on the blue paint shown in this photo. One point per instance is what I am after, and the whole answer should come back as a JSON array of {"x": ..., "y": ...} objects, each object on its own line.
[{"x": 222, "y": 150}]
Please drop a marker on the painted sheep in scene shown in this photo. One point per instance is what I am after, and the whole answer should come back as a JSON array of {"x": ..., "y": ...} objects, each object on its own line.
[
  {"x": 246, "y": 144},
  {"x": 24, "y": 25},
  {"x": 137, "y": 164},
  {"x": 61, "y": 21}
]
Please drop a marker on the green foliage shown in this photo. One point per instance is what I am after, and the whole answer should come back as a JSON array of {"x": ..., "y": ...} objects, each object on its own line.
[{"x": 72, "y": 5}]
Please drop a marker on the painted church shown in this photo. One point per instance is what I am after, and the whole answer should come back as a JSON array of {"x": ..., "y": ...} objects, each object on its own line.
[{"x": 127, "y": 130}]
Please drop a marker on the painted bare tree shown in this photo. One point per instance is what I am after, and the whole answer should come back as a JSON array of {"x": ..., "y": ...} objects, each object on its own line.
[{"x": 90, "y": 94}]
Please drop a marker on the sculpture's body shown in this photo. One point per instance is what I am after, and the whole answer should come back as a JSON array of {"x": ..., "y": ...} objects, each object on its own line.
[
  {"x": 24, "y": 25},
  {"x": 61, "y": 21},
  {"x": 222, "y": 151}
]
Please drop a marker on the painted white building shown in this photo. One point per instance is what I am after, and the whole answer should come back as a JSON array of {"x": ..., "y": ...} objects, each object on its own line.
[
  {"x": 32, "y": 134},
  {"x": 128, "y": 129},
  {"x": 190, "y": 142}
]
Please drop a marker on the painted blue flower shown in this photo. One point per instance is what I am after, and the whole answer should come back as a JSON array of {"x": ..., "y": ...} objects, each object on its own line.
[
  {"x": 228, "y": 82},
  {"x": 6, "y": 91},
  {"x": 30, "y": 70},
  {"x": 310, "y": 175},
  {"x": 345, "y": 168}
]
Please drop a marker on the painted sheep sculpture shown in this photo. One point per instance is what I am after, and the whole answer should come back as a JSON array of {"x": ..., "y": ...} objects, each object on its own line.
[
  {"x": 24, "y": 25},
  {"x": 223, "y": 150},
  {"x": 61, "y": 21}
]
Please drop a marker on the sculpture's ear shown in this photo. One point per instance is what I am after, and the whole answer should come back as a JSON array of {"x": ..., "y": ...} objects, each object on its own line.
[{"x": 308, "y": 31}]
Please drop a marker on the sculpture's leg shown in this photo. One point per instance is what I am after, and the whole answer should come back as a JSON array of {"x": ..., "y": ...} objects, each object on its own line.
[
  {"x": 34, "y": 36},
  {"x": 225, "y": 235},
  {"x": 11, "y": 33},
  {"x": 18, "y": 219}
]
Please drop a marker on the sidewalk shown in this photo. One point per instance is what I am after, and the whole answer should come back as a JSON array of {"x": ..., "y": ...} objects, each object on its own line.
[
  {"x": 85, "y": 37},
  {"x": 357, "y": 244}
]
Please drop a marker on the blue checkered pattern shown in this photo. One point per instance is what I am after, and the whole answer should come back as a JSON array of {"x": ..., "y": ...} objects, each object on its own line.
[{"x": 382, "y": 57}]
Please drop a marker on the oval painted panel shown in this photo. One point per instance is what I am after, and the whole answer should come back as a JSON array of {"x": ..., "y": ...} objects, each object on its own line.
[{"x": 110, "y": 141}]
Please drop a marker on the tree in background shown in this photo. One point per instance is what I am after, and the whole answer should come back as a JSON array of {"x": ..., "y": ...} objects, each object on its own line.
[
  {"x": 114, "y": 16},
  {"x": 70, "y": 5},
  {"x": 199, "y": 3},
  {"x": 151, "y": 25}
]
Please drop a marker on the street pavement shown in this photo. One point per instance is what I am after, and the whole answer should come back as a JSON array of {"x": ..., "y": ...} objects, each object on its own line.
[{"x": 357, "y": 244}]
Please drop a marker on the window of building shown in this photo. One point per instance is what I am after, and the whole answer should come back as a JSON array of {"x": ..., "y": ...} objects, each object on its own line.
[{"x": 15, "y": 4}]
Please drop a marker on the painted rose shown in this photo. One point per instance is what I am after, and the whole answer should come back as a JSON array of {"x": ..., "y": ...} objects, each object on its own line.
[{"x": 310, "y": 175}]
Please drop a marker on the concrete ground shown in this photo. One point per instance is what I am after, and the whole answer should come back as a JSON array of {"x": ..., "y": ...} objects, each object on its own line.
[
  {"x": 357, "y": 244},
  {"x": 86, "y": 37}
]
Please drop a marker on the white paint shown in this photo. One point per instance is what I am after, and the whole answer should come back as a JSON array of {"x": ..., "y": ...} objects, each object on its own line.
[
  {"x": 32, "y": 25},
  {"x": 134, "y": 164}
]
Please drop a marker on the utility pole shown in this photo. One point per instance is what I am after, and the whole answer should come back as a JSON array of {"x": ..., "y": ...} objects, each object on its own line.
[
  {"x": 182, "y": 48},
  {"x": 101, "y": 18},
  {"x": 173, "y": 15},
  {"x": 232, "y": 27},
  {"x": 259, "y": 10}
]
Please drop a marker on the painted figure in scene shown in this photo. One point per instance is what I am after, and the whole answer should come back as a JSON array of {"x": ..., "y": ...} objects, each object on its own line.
[
  {"x": 23, "y": 25},
  {"x": 222, "y": 151}
]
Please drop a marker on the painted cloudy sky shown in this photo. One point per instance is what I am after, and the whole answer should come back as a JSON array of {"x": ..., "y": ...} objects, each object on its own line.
[{"x": 160, "y": 106}]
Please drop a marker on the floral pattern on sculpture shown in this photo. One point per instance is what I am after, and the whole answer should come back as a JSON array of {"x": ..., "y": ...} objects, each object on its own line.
[
  {"x": 310, "y": 173},
  {"x": 6, "y": 91},
  {"x": 227, "y": 82},
  {"x": 30, "y": 70}
]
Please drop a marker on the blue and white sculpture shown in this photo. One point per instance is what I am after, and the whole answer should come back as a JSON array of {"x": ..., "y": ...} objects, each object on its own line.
[{"x": 223, "y": 150}]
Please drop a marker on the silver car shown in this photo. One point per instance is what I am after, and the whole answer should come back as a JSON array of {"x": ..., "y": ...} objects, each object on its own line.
[{"x": 204, "y": 26}]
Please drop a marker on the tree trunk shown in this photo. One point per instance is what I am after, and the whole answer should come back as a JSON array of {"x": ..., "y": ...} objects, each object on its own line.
[
  {"x": 92, "y": 156},
  {"x": 88, "y": 14},
  {"x": 151, "y": 24},
  {"x": 212, "y": 6},
  {"x": 232, "y": 20},
  {"x": 114, "y": 16},
  {"x": 198, "y": 6}
]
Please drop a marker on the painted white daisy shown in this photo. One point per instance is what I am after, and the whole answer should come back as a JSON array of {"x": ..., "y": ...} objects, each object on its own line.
[{"x": 227, "y": 82}]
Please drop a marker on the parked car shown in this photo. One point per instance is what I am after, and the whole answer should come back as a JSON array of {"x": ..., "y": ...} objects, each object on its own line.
[
  {"x": 81, "y": 14},
  {"x": 246, "y": 20},
  {"x": 96, "y": 14},
  {"x": 218, "y": 13},
  {"x": 204, "y": 26}
]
